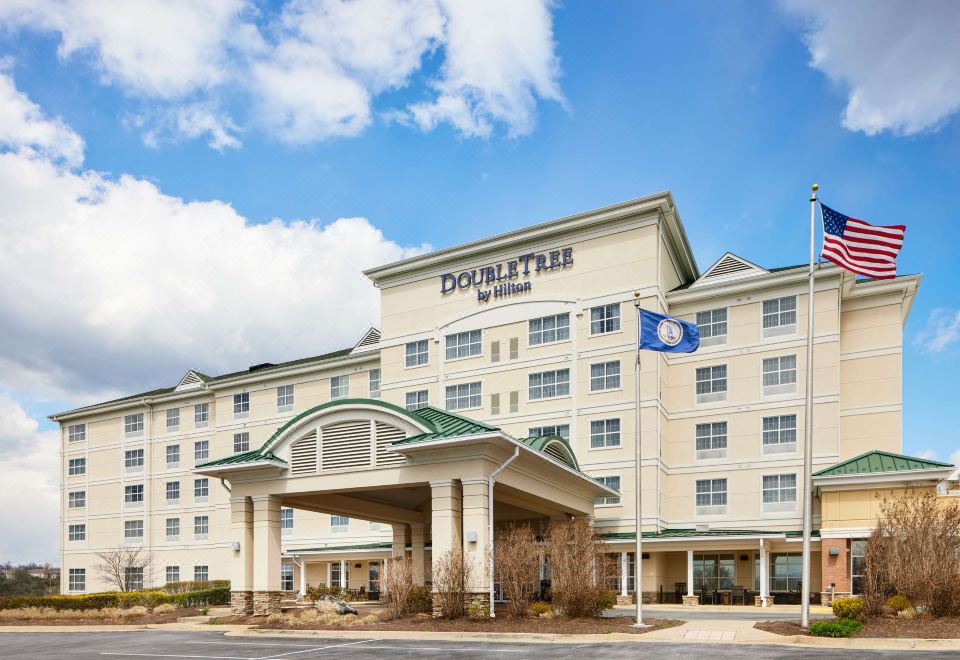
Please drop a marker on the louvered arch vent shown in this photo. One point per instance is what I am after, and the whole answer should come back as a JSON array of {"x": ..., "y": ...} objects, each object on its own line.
[
  {"x": 345, "y": 445},
  {"x": 303, "y": 455},
  {"x": 385, "y": 435}
]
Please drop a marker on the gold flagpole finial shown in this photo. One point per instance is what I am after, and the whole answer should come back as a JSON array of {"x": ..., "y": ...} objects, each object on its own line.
[
  {"x": 815, "y": 187},
  {"x": 636, "y": 294}
]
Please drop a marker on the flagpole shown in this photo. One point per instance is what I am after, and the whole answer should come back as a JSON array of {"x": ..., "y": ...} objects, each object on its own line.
[
  {"x": 638, "y": 559},
  {"x": 808, "y": 427}
]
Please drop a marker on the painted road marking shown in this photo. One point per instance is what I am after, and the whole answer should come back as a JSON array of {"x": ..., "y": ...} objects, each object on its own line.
[{"x": 711, "y": 635}]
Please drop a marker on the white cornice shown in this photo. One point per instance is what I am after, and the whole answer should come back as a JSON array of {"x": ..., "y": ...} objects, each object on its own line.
[{"x": 929, "y": 476}]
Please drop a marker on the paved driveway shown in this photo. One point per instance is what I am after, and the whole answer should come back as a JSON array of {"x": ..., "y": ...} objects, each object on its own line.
[{"x": 163, "y": 645}]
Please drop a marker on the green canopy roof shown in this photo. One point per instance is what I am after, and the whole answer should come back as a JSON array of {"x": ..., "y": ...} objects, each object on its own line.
[
  {"x": 876, "y": 462},
  {"x": 682, "y": 533}
]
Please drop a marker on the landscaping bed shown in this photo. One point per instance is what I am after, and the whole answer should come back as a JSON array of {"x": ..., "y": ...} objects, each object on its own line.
[
  {"x": 37, "y": 616},
  {"x": 919, "y": 627}
]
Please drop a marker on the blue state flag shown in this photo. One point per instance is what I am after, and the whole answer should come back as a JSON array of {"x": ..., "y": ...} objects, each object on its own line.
[{"x": 667, "y": 334}]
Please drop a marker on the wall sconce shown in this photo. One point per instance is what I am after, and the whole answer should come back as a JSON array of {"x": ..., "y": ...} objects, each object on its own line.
[{"x": 834, "y": 552}]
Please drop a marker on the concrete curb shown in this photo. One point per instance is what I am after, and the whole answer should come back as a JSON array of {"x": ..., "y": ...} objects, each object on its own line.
[{"x": 203, "y": 627}]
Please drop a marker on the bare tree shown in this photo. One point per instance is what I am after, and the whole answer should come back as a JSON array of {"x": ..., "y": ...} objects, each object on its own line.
[
  {"x": 126, "y": 569},
  {"x": 915, "y": 551},
  {"x": 399, "y": 584},
  {"x": 451, "y": 572},
  {"x": 517, "y": 565},
  {"x": 578, "y": 564}
]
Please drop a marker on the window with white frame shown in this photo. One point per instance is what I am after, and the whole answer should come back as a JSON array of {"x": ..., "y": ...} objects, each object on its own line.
[
  {"x": 780, "y": 434},
  {"x": 712, "y": 383},
  {"x": 173, "y": 419},
  {"x": 336, "y": 577},
  {"x": 77, "y": 499},
  {"x": 173, "y": 456},
  {"x": 133, "y": 578},
  {"x": 605, "y": 376},
  {"x": 464, "y": 344},
  {"x": 374, "y": 389},
  {"x": 241, "y": 442},
  {"x": 712, "y": 572},
  {"x": 610, "y": 482},
  {"x": 339, "y": 387},
  {"x": 285, "y": 398},
  {"x": 76, "y": 432},
  {"x": 417, "y": 353},
  {"x": 172, "y": 574},
  {"x": 779, "y": 316},
  {"x": 173, "y": 492},
  {"x": 133, "y": 494},
  {"x": 201, "y": 415},
  {"x": 201, "y": 450},
  {"x": 604, "y": 433},
  {"x": 133, "y": 424},
  {"x": 604, "y": 318},
  {"x": 711, "y": 497},
  {"x": 549, "y": 329},
  {"x": 563, "y": 430},
  {"x": 711, "y": 440},
  {"x": 133, "y": 460},
  {"x": 173, "y": 529},
  {"x": 201, "y": 489},
  {"x": 786, "y": 571},
  {"x": 464, "y": 396},
  {"x": 339, "y": 523},
  {"x": 77, "y": 579},
  {"x": 201, "y": 527},
  {"x": 780, "y": 375},
  {"x": 201, "y": 573},
  {"x": 286, "y": 577},
  {"x": 416, "y": 400},
  {"x": 77, "y": 532},
  {"x": 286, "y": 521},
  {"x": 133, "y": 530},
  {"x": 858, "y": 554},
  {"x": 241, "y": 404},
  {"x": 549, "y": 384},
  {"x": 76, "y": 467},
  {"x": 779, "y": 492},
  {"x": 712, "y": 324}
]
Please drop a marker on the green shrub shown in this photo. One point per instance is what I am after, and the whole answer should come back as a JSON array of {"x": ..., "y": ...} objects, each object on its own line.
[
  {"x": 605, "y": 600},
  {"x": 899, "y": 603},
  {"x": 540, "y": 607},
  {"x": 202, "y": 598},
  {"x": 149, "y": 599},
  {"x": 194, "y": 585},
  {"x": 478, "y": 609},
  {"x": 420, "y": 600},
  {"x": 848, "y": 608},
  {"x": 78, "y": 602},
  {"x": 839, "y": 628},
  {"x": 316, "y": 593}
]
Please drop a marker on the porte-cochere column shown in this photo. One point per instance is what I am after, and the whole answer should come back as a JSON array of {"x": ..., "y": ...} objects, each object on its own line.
[
  {"x": 447, "y": 515},
  {"x": 266, "y": 554},
  {"x": 241, "y": 570}
]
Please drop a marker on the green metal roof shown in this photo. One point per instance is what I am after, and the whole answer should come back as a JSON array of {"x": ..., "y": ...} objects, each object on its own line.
[
  {"x": 251, "y": 456},
  {"x": 386, "y": 545},
  {"x": 540, "y": 443},
  {"x": 876, "y": 462},
  {"x": 446, "y": 425},
  {"x": 687, "y": 533}
]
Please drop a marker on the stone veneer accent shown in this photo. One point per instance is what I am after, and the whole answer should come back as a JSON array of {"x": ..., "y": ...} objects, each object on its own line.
[
  {"x": 266, "y": 602},
  {"x": 624, "y": 600},
  {"x": 691, "y": 601},
  {"x": 468, "y": 598},
  {"x": 241, "y": 602},
  {"x": 758, "y": 601}
]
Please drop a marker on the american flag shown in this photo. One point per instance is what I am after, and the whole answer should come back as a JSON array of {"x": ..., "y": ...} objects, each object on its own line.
[{"x": 859, "y": 246}]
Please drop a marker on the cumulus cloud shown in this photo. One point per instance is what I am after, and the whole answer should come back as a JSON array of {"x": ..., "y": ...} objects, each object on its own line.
[
  {"x": 107, "y": 283},
  {"x": 928, "y": 454},
  {"x": 314, "y": 69},
  {"x": 899, "y": 60},
  {"x": 955, "y": 458},
  {"x": 29, "y": 499},
  {"x": 940, "y": 333}
]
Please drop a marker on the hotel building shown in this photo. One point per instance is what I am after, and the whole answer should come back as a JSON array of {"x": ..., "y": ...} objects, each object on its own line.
[{"x": 500, "y": 387}]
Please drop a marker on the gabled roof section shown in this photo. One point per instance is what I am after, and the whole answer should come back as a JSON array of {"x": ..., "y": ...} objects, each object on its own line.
[
  {"x": 729, "y": 267},
  {"x": 880, "y": 462},
  {"x": 369, "y": 341},
  {"x": 192, "y": 380}
]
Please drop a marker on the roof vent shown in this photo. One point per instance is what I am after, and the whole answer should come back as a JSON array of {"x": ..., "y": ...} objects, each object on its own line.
[
  {"x": 702, "y": 527},
  {"x": 728, "y": 266},
  {"x": 370, "y": 339},
  {"x": 263, "y": 365}
]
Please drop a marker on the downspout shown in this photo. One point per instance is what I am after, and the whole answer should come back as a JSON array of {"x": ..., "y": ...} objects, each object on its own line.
[{"x": 490, "y": 480}]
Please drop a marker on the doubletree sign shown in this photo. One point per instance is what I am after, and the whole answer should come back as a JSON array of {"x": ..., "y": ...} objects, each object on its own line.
[{"x": 499, "y": 281}]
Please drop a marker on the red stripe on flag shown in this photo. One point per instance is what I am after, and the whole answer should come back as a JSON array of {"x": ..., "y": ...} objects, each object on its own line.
[
  {"x": 843, "y": 264},
  {"x": 874, "y": 256}
]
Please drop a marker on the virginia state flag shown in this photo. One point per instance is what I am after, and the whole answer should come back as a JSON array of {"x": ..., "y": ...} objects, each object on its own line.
[{"x": 667, "y": 334}]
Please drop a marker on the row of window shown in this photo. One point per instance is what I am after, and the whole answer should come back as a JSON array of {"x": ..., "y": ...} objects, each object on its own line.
[
  {"x": 134, "y": 577},
  {"x": 779, "y": 316},
  {"x": 779, "y": 436},
  {"x": 779, "y": 377},
  {"x": 711, "y": 494},
  {"x": 717, "y": 572},
  {"x": 133, "y": 530},
  {"x": 133, "y": 494}
]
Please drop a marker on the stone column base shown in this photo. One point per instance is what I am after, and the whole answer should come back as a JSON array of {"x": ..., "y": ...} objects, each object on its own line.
[
  {"x": 241, "y": 602},
  {"x": 266, "y": 602},
  {"x": 826, "y": 598},
  {"x": 758, "y": 601},
  {"x": 625, "y": 599},
  {"x": 478, "y": 597},
  {"x": 691, "y": 601}
]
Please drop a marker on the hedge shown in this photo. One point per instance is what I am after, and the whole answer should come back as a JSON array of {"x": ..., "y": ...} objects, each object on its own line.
[
  {"x": 194, "y": 585},
  {"x": 840, "y": 628},
  {"x": 200, "y": 598}
]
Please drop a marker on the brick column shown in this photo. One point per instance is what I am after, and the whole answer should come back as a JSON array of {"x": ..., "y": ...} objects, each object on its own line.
[
  {"x": 266, "y": 554},
  {"x": 241, "y": 563},
  {"x": 835, "y": 570}
]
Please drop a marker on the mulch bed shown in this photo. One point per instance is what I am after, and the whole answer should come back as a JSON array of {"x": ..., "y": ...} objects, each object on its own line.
[
  {"x": 94, "y": 621},
  {"x": 502, "y": 624},
  {"x": 921, "y": 627}
]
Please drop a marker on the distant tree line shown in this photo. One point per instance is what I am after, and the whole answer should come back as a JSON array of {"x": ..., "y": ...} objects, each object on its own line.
[{"x": 17, "y": 580}]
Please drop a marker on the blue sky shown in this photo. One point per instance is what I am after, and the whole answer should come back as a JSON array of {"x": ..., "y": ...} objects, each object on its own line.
[{"x": 463, "y": 124}]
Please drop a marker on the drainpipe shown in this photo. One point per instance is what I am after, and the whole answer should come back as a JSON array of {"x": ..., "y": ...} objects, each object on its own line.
[{"x": 490, "y": 480}]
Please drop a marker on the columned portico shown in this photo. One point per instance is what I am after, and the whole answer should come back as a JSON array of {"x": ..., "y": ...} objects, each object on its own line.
[
  {"x": 266, "y": 548},
  {"x": 241, "y": 574}
]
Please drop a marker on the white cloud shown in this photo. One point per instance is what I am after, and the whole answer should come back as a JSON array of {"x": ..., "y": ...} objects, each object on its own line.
[
  {"x": 941, "y": 332},
  {"x": 954, "y": 458},
  {"x": 899, "y": 60},
  {"x": 29, "y": 499},
  {"x": 928, "y": 454},
  {"x": 312, "y": 70},
  {"x": 24, "y": 126}
]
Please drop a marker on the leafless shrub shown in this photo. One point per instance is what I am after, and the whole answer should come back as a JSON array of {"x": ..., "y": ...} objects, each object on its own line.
[
  {"x": 126, "y": 569},
  {"x": 915, "y": 551},
  {"x": 517, "y": 565},
  {"x": 577, "y": 566},
  {"x": 399, "y": 585},
  {"x": 451, "y": 573}
]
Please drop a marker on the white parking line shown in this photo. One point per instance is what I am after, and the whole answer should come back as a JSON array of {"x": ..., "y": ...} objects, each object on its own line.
[
  {"x": 319, "y": 648},
  {"x": 167, "y": 655}
]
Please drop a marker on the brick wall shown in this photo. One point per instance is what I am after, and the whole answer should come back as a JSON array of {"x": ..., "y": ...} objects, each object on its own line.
[{"x": 835, "y": 568}]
